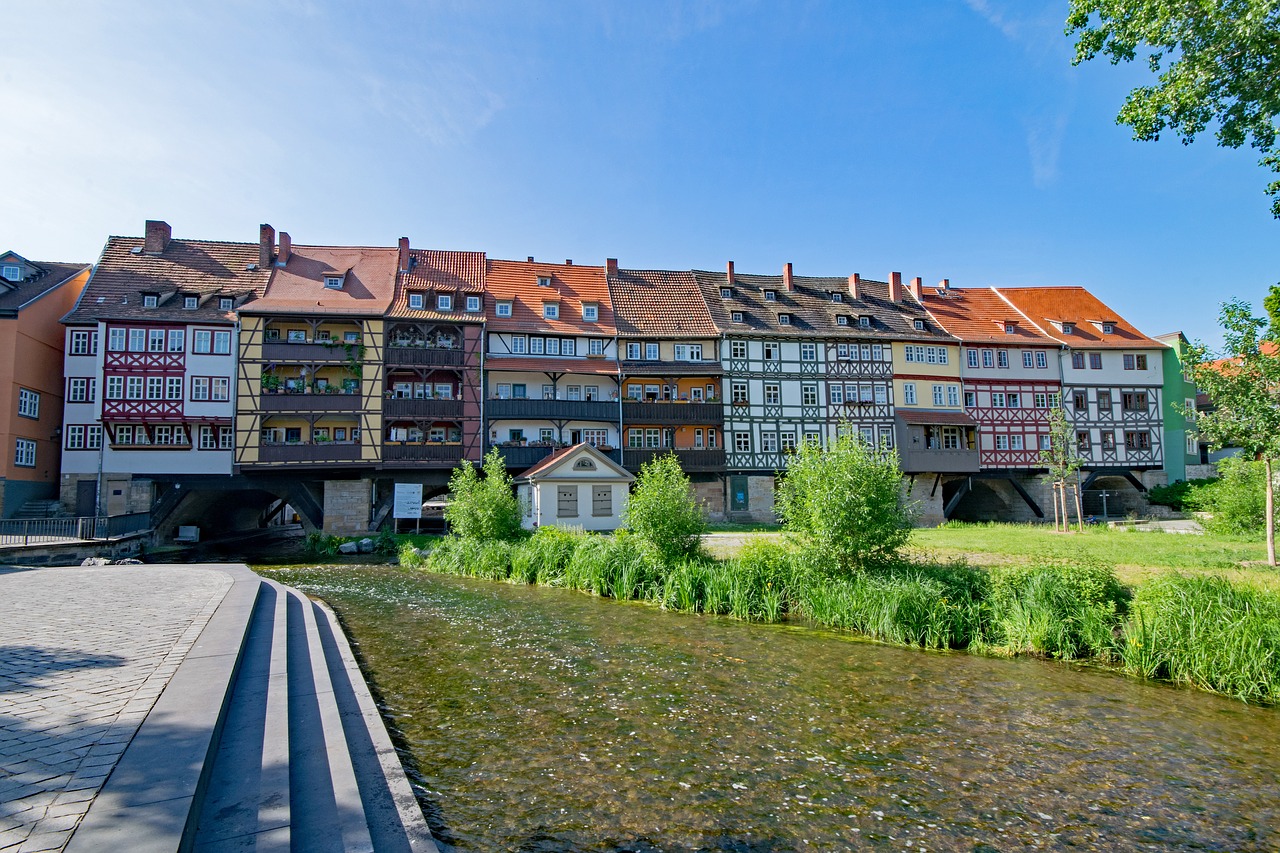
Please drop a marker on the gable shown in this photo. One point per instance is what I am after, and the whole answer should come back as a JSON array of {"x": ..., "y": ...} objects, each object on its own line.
[{"x": 579, "y": 463}]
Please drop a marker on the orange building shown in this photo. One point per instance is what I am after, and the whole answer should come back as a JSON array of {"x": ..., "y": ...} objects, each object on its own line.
[{"x": 33, "y": 298}]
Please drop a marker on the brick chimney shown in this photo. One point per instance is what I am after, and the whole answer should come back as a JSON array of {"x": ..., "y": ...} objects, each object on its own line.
[
  {"x": 529, "y": 259},
  {"x": 945, "y": 284},
  {"x": 402, "y": 259},
  {"x": 895, "y": 287},
  {"x": 611, "y": 266},
  {"x": 568, "y": 262},
  {"x": 787, "y": 280},
  {"x": 917, "y": 288},
  {"x": 157, "y": 239},
  {"x": 729, "y": 273},
  {"x": 266, "y": 244},
  {"x": 855, "y": 284},
  {"x": 286, "y": 249}
]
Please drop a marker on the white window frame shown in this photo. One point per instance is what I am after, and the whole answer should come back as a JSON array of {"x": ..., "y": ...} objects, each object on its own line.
[
  {"x": 24, "y": 453},
  {"x": 28, "y": 403}
]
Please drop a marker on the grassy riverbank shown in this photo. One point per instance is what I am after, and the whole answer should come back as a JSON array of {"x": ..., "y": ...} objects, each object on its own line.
[{"x": 1214, "y": 633}]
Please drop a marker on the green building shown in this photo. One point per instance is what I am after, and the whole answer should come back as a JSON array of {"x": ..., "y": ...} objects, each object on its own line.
[{"x": 1181, "y": 446}]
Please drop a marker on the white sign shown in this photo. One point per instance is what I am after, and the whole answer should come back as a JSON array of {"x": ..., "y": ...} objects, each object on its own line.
[{"x": 408, "y": 501}]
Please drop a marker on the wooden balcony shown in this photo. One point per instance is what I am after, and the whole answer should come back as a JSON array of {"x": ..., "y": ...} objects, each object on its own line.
[
  {"x": 401, "y": 356},
  {"x": 707, "y": 459},
  {"x": 552, "y": 410},
  {"x": 310, "y": 402},
  {"x": 433, "y": 409},
  {"x": 426, "y": 452},
  {"x": 672, "y": 412},
  {"x": 324, "y": 452},
  {"x": 278, "y": 351}
]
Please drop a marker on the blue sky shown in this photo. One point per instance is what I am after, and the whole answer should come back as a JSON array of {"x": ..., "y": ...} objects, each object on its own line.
[{"x": 939, "y": 138}]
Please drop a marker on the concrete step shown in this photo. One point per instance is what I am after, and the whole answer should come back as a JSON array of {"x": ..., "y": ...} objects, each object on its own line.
[{"x": 42, "y": 509}]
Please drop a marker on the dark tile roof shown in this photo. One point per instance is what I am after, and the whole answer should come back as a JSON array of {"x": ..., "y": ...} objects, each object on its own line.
[
  {"x": 660, "y": 303},
  {"x": 811, "y": 308},
  {"x": 206, "y": 268},
  {"x": 432, "y": 271},
  {"x": 50, "y": 274}
]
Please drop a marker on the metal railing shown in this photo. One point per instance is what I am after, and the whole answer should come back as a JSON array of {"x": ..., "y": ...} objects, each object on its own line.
[{"x": 35, "y": 531}]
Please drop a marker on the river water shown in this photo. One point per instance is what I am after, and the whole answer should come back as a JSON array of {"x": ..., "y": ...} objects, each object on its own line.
[{"x": 547, "y": 720}]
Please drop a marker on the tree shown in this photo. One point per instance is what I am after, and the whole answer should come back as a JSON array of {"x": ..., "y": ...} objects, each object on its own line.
[
  {"x": 663, "y": 512},
  {"x": 1064, "y": 464},
  {"x": 485, "y": 508},
  {"x": 1218, "y": 61},
  {"x": 845, "y": 501},
  {"x": 1244, "y": 390}
]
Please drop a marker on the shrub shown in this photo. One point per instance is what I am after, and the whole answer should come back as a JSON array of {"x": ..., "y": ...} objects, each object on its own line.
[
  {"x": 319, "y": 544},
  {"x": 1175, "y": 494},
  {"x": 908, "y": 609},
  {"x": 845, "y": 502},
  {"x": 1207, "y": 632},
  {"x": 1063, "y": 609},
  {"x": 483, "y": 508},
  {"x": 542, "y": 558},
  {"x": 1237, "y": 499},
  {"x": 663, "y": 512}
]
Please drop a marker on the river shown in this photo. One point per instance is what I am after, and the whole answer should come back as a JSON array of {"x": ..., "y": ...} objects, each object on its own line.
[{"x": 546, "y": 720}]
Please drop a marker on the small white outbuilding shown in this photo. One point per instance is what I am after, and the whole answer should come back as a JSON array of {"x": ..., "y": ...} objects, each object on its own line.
[{"x": 575, "y": 487}]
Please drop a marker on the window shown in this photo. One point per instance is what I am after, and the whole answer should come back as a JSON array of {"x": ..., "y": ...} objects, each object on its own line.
[
  {"x": 133, "y": 388},
  {"x": 602, "y": 500},
  {"x": 908, "y": 393},
  {"x": 742, "y": 442},
  {"x": 473, "y": 303},
  {"x": 737, "y": 317},
  {"x": 787, "y": 441},
  {"x": 1010, "y": 328},
  {"x": 1080, "y": 400},
  {"x": 595, "y": 346},
  {"x": 115, "y": 387},
  {"x": 938, "y": 392},
  {"x": 1077, "y": 361},
  {"x": 25, "y": 453},
  {"x": 988, "y": 358},
  {"x": 1046, "y": 443},
  {"x": 1013, "y": 401},
  {"x": 919, "y": 325},
  {"x": 28, "y": 403},
  {"x": 502, "y": 309},
  {"x": 836, "y": 392},
  {"x": 552, "y": 346},
  {"x": 1095, "y": 361},
  {"x": 726, "y": 293},
  {"x": 1015, "y": 442},
  {"x": 206, "y": 438},
  {"x": 12, "y": 272},
  {"x": 739, "y": 392},
  {"x": 772, "y": 393},
  {"x": 518, "y": 344},
  {"x": 535, "y": 346},
  {"x": 997, "y": 399},
  {"x": 784, "y": 319},
  {"x": 155, "y": 387},
  {"x": 771, "y": 296},
  {"x": 809, "y": 394},
  {"x": 971, "y": 357},
  {"x": 737, "y": 349},
  {"x": 881, "y": 394},
  {"x": 221, "y": 388},
  {"x": 1028, "y": 358},
  {"x": 1002, "y": 442},
  {"x": 1108, "y": 329},
  {"x": 415, "y": 301},
  {"x": 1135, "y": 362},
  {"x": 84, "y": 343},
  {"x": 226, "y": 303},
  {"x": 771, "y": 351},
  {"x": 970, "y": 399},
  {"x": 590, "y": 314},
  {"x": 115, "y": 340},
  {"x": 1041, "y": 400},
  {"x": 842, "y": 320},
  {"x": 1002, "y": 359},
  {"x": 842, "y": 350},
  {"x": 155, "y": 340},
  {"x": 1137, "y": 440},
  {"x": 1108, "y": 441},
  {"x": 808, "y": 352},
  {"x": 1042, "y": 360},
  {"x": 75, "y": 438},
  {"x": 1104, "y": 401},
  {"x": 1083, "y": 442},
  {"x": 633, "y": 351},
  {"x": 81, "y": 390},
  {"x": 222, "y": 343},
  {"x": 191, "y": 302},
  {"x": 837, "y": 296},
  {"x": 567, "y": 346},
  {"x": 444, "y": 302},
  {"x": 1068, "y": 328},
  {"x": 1134, "y": 401},
  {"x": 333, "y": 282},
  {"x": 953, "y": 395},
  {"x": 137, "y": 340},
  {"x": 1193, "y": 444},
  {"x": 150, "y": 300},
  {"x": 176, "y": 340},
  {"x": 202, "y": 340},
  {"x": 651, "y": 352},
  {"x": 1055, "y": 400},
  {"x": 551, "y": 310},
  {"x": 199, "y": 388},
  {"x": 544, "y": 281},
  {"x": 879, "y": 353}
]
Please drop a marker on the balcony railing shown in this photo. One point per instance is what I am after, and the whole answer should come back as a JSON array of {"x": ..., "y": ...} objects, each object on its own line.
[
  {"x": 423, "y": 452},
  {"x": 940, "y": 461},
  {"x": 410, "y": 356},
  {"x": 561, "y": 410},
  {"x": 706, "y": 459},
  {"x": 281, "y": 351},
  {"x": 672, "y": 412},
  {"x": 289, "y": 402},
  {"x": 324, "y": 451},
  {"x": 405, "y": 407}
]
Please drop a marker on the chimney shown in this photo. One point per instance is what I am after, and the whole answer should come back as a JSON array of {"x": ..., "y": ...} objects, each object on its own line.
[
  {"x": 917, "y": 288},
  {"x": 402, "y": 260},
  {"x": 787, "y": 281},
  {"x": 529, "y": 259},
  {"x": 729, "y": 273},
  {"x": 611, "y": 266},
  {"x": 157, "y": 239},
  {"x": 855, "y": 284},
  {"x": 286, "y": 248},
  {"x": 945, "y": 284},
  {"x": 266, "y": 245},
  {"x": 895, "y": 287}
]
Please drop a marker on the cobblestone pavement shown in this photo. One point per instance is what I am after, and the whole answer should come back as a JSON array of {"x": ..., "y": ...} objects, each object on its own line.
[{"x": 84, "y": 653}]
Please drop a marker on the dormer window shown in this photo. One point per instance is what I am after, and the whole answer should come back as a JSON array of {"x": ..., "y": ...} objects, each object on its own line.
[
  {"x": 150, "y": 300},
  {"x": 590, "y": 312},
  {"x": 1108, "y": 329},
  {"x": 737, "y": 317},
  {"x": 837, "y": 296},
  {"x": 226, "y": 303},
  {"x": 1010, "y": 328},
  {"x": 12, "y": 272},
  {"x": 864, "y": 322},
  {"x": 726, "y": 293},
  {"x": 919, "y": 325},
  {"x": 415, "y": 301},
  {"x": 544, "y": 281},
  {"x": 771, "y": 296},
  {"x": 473, "y": 303},
  {"x": 551, "y": 310},
  {"x": 502, "y": 309},
  {"x": 1068, "y": 328},
  {"x": 842, "y": 320},
  {"x": 784, "y": 319},
  {"x": 190, "y": 302},
  {"x": 333, "y": 282},
  {"x": 444, "y": 302}
]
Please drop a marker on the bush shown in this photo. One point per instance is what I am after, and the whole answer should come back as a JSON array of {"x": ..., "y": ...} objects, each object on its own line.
[
  {"x": 904, "y": 608},
  {"x": 319, "y": 544},
  {"x": 542, "y": 558},
  {"x": 845, "y": 502},
  {"x": 1237, "y": 499},
  {"x": 663, "y": 512},
  {"x": 483, "y": 509},
  {"x": 1207, "y": 632},
  {"x": 1063, "y": 609},
  {"x": 1175, "y": 494}
]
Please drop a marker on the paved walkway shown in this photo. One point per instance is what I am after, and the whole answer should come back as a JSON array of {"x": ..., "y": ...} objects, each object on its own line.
[{"x": 84, "y": 653}]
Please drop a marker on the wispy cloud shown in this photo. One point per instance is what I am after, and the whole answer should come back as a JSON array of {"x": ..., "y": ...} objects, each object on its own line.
[{"x": 1044, "y": 148}]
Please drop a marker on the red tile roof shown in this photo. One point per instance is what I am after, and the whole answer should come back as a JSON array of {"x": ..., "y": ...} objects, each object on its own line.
[
  {"x": 1046, "y": 306},
  {"x": 978, "y": 315},
  {"x": 432, "y": 272},
  {"x": 660, "y": 303},
  {"x": 571, "y": 285},
  {"x": 369, "y": 280}
]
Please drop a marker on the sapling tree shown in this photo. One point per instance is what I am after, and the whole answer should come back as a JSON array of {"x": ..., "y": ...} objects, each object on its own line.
[
  {"x": 663, "y": 512},
  {"x": 483, "y": 508},
  {"x": 1063, "y": 463},
  {"x": 845, "y": 501}
]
